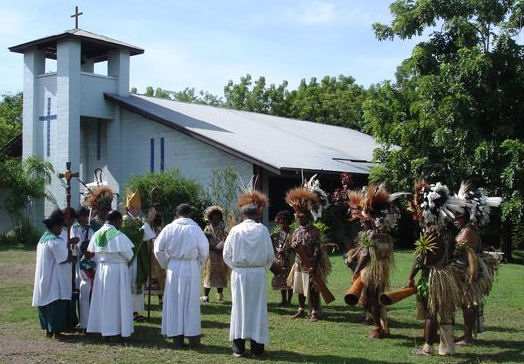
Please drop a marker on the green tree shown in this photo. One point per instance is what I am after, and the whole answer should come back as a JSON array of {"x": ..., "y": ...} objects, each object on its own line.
[
  {"x": 10, "y": 116},
  {"x": 456, "y": 100},
  {"x": 24, "y": 183},
  {"x": 150, "y": 91},
  {"x": 224, "y": 188}
]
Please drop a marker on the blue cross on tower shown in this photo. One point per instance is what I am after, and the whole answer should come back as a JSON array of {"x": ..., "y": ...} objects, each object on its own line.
[{"x": 48, "y": 118}]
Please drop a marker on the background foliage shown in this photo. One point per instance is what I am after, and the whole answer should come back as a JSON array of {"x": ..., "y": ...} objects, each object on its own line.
[{"x": 174, "y": 190}]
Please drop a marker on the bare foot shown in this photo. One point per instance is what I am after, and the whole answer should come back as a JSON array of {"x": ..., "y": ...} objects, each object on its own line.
[
  {"x": 464, "y": 342},
  {"x": 420, "y": 352}
]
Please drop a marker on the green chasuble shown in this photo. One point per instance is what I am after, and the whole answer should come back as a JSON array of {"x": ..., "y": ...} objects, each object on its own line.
[{"x": 133, "y": 229}]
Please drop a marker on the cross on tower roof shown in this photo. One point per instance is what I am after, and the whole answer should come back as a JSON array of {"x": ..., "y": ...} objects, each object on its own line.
[{"x": 76, "y": 15}]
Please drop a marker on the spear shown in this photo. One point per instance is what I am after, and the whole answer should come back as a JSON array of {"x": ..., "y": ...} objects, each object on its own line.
[{"x": 155, "y": 196}]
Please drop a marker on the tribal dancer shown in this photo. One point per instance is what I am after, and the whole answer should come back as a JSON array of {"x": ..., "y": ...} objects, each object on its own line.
[
  {"x": 281, "y": 238},
  {"x": 215, "y": 269},
  {"x": 438, "y": 291},
  {"x": 305, "y": 202},
  {"x": 475, "y": 269},
  {"x": 374, "y": 252}
]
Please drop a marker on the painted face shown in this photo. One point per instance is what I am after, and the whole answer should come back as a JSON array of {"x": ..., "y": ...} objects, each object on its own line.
[
  {"x": 303, "y": 219},
  {"x": 216, "y": 218}
]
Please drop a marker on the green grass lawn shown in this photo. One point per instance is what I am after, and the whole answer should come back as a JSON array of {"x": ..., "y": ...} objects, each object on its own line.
[{"x": 336, "y": 339}]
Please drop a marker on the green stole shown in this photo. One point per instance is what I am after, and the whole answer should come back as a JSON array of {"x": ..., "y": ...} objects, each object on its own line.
[
  {"x": 46, "y": 237},
  {"x": 102, "y": 236},
  {"x": 133, "y": 229}
]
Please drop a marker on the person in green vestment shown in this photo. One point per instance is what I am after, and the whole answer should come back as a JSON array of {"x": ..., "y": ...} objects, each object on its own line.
[
  {"x": 52, "y": 286},
  {"x": 140, "y": 233}
]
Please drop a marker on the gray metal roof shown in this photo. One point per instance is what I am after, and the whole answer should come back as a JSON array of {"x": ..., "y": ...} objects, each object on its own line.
[
  {"x": 93, "y": 45},
  {"x": 275, "y": 143}
]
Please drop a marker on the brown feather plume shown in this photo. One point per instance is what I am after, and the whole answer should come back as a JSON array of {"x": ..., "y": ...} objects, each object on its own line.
[
  {"x": 355, "y": 200},
  {"x": 376, "y": 199},
  {"x": 100, "y": 198},
  {"x": 302, "y": 199},
  {"x": 254, "y": 197}
]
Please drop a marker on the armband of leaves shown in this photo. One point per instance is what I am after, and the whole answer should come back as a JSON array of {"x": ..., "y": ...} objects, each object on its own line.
[
  {"x": 422, "y": 288},
  {"x": 424, "y": 245}
]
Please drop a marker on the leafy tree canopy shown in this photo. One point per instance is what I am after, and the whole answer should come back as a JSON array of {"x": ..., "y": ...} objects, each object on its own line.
[{"x": 10, "y": 117}]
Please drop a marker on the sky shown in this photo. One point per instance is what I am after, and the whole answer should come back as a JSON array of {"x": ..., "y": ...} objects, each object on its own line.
[{"x": 204, "y": 44}]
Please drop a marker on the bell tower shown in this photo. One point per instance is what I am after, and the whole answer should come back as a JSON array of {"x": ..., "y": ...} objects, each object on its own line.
[{"x": 59, "y": 105}]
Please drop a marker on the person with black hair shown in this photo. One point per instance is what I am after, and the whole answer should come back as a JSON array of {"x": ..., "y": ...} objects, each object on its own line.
[
  {"x": 85, "y": 267},
  {"x": 182, "y": 248},
  {"x": 52, "y": 289},
  {"x": 111, "y": 311},
  {"x": 249, "y": 253},
  {"x": 281, "y": 238}
]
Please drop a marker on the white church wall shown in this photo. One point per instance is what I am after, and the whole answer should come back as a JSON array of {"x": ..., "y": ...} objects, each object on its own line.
[
  {"x": 193, "y": 158},
  {"x": 93, "y": 103}
]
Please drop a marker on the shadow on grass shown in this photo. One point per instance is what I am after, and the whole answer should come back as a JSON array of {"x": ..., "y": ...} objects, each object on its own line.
[
  {"x": 293, "y": 357},
  {"x": 22, "y": 247}
]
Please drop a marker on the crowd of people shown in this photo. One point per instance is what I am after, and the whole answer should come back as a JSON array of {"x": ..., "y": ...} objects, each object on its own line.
[{"x": 93, "y": 277}]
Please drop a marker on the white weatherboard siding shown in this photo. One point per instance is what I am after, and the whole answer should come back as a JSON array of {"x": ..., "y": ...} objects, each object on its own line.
[
  {"x": 193, "y": 158},
  {"x": 276, "y": 143}
]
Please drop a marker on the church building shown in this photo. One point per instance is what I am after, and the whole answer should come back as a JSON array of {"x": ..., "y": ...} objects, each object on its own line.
[{"x": 94, "y": 122}]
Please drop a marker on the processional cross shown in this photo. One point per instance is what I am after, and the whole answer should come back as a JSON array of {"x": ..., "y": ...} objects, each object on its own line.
[
  {"x": 76, "y": 15},
  {"x": 67, "y": 175}
]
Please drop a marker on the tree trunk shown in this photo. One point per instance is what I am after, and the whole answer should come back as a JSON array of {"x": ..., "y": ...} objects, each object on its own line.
[{"x": 505, "y": 240}]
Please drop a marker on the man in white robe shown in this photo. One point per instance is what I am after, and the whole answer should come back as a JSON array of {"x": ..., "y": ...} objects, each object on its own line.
[
  {"x": 111, "y": 311},
  {"x": 182, "y": 249},
  {"x": 249, "y": 252}
]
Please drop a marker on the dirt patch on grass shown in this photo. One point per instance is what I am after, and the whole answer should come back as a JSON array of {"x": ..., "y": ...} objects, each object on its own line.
[
  {"x": 17, "y": 272},
  {"x": 19, "y": 350}
]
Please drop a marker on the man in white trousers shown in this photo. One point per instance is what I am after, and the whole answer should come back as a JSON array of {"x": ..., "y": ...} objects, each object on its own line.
[
  {"x": 249, "y": 252},
  {"x": 182, "y": 249}
]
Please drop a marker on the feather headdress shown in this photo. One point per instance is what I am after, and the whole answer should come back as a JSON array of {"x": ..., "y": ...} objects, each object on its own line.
[
  {"x": 252, "y": 197},
  {"x": 100, "y": 198},
  {"x": 356, "y": 204},
  {"x": 302, "y": 200},
  {"x": 313, "y": 185},
  {"x": 210, "y": 210},
  {"x": 379, "y": 207},
  {"x": 477, "y": 203},
  {"x": 434, "y": 206}
]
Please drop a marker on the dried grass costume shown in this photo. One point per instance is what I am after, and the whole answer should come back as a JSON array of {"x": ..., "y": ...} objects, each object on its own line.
[
  {"x": 304, "y": 201},
  {"x": 215, "y": 270},
  {"x": 476, "y": 269},
  {"x": 283, "y": 258},
  {"x": 438, "y": 289},
  {"x": 374, "y": 250}
]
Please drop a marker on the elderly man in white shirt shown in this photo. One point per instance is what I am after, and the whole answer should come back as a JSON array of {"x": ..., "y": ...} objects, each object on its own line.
[
  {"x": 249, "y": 252},
  {"x": 182, "y": 249}
]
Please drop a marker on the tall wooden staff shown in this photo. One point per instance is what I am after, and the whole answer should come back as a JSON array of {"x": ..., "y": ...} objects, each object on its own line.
[
  {"x": 67, "y": 175},
  {"x": 155, "y": 196}
]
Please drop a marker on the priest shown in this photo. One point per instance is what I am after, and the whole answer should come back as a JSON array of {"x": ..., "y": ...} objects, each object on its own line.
[
  {"x": 182, "y": 249},
  {"x": 140, "y": 233},
  {"x": 111, "y": 307},
  {"x": 249, "y": 252}
]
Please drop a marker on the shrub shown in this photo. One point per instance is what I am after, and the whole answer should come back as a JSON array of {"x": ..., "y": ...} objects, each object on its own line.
[{"x": 174, "y": 189}]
